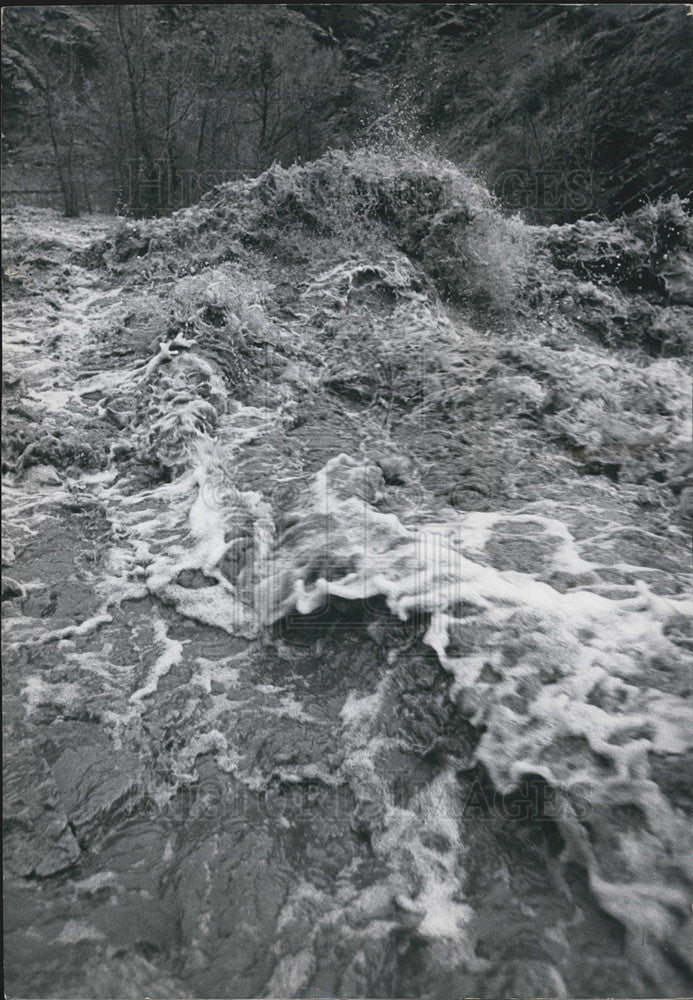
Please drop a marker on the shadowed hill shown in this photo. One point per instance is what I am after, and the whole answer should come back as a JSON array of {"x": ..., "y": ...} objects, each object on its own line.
[{"x": 566, "y": 111}]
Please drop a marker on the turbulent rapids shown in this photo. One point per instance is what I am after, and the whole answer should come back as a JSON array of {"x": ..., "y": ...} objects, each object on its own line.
[{"x": 347, "y": 628}]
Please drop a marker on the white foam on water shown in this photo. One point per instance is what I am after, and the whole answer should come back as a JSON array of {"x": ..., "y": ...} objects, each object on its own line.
[
  {"x": 563, "y": 668},
  {"x": 356, "y": 711},
  {"x": 89, "y": 625},
  {"x": 37, "y": 692},
  {"x": 171, "y": 654},
  {"x": 74, "y": 931},
  {"x": 433, "y": 811},
  {"x": 196, "y": 520},
  {"x": 216, "y": 670}
]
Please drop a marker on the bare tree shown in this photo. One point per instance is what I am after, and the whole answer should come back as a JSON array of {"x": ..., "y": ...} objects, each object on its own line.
[
  {"x": 179, "y": 97},
  {"x": 54, "y": 79}
]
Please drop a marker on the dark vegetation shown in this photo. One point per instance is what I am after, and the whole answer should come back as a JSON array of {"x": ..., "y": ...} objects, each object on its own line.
[
  {"x": 565, "y": 111},
  {"x": 155, "y": 104}
]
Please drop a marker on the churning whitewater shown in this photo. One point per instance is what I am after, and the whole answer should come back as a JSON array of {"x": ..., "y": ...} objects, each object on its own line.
[{"x": 348, "y": 631}]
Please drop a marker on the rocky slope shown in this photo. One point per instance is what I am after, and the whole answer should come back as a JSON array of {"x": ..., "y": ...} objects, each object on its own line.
[
  {"x": 347, "y": 629},
  {"x": 546, "y": 101}
]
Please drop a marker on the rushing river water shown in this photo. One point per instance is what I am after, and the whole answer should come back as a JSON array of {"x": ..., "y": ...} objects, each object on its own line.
[{"x": 306, "y": 696}]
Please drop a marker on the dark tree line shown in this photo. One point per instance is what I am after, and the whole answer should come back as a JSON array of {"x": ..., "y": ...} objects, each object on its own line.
[
  {"x": 565, "y": 110},
  {"x": 161, "y": 102}
]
